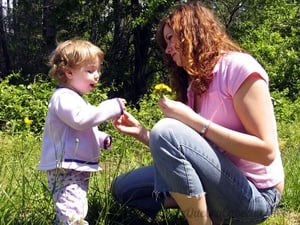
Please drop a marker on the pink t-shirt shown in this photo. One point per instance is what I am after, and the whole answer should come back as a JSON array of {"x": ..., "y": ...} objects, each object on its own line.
[{"x": 217, "y": 105}]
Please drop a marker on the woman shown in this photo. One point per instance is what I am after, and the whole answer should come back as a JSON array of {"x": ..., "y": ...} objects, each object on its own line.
[{"x": 215, "y": 154}]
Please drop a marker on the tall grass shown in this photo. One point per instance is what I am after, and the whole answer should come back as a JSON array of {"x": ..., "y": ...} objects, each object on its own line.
[{"x": 25, "y": 199}]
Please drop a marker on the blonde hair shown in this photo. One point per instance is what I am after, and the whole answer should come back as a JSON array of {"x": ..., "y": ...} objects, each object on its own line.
[
  {"x": 72, "y": 54},
  {"x": 202, "y": 40}
]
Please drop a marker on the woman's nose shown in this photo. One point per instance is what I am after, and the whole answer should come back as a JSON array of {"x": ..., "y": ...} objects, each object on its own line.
[{"x": 168, "y": 49}]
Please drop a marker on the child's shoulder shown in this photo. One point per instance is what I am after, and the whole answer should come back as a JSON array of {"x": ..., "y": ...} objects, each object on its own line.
[{"x": 62, "y": 92}]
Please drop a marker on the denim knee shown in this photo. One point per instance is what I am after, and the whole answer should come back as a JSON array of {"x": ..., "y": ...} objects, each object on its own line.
[
  {"x": 135, "y": 189},
  {"x": 159, "y": 131},
  {"x": 171, "y": 143},
  {"x": 116, "y": 190}
]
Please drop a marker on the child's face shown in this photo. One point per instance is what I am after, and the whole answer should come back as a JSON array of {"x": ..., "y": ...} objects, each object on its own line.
[{"x": 84, "y": 78}]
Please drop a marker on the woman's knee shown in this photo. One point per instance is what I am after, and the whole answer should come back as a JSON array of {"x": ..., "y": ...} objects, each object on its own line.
[
  {"x": 120, "y": 188},
  {"x": 161, "y": 132},
  {"x": 162, "y": 125},
  {"x": 133, "y": 184},
  {"x": 116, "y": 189}
]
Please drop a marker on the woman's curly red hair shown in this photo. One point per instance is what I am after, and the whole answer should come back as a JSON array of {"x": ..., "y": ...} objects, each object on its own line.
[{"x": 202, "y": 40}]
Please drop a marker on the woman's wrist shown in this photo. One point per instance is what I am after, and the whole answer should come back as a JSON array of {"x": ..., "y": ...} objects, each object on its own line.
[
  {"x": 205, "y": 127},
  {"x": 143, "y": 135}
]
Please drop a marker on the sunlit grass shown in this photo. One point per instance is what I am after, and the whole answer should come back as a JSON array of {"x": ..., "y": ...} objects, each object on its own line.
[{"x": 25, "y": 199}]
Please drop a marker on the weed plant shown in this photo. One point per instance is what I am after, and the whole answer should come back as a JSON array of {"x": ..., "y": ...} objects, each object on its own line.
[{"x": 24, "y": 195}]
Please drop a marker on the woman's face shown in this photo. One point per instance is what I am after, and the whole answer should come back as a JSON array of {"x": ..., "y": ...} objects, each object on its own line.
[{"x": 171, "y": 42}]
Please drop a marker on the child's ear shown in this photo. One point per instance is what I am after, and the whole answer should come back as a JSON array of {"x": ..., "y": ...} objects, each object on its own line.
[{"x": 69, "y": 74}]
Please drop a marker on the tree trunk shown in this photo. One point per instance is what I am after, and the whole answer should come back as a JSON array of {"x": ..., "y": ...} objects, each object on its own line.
[
  {"x": 49, "y": 29},
  {"x": 141, "y": 41},
  {"x": 5, "y": 65}
]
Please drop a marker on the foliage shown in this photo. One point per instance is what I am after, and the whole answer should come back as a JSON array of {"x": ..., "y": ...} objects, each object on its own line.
[
  {"x": 286, "y": 110},
  {"x": 30, "y": 101},
  {"x": 24, "y": 195},
  {"x": 290, "y": 149},
  {"x": 125, "y": 30},
  {"x": 20, "y": 101},
  {"x": 271, "y": 34}
]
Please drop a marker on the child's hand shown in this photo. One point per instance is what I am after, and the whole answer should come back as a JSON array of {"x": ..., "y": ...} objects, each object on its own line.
[
  {"x": 123, "y": 103},
  {"x": 107, "y": 143}
]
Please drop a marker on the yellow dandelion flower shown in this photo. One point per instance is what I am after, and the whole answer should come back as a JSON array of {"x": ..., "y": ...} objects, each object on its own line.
[
  {"x": 27, "y": 121},
  {"x": 162, "y": 89}
]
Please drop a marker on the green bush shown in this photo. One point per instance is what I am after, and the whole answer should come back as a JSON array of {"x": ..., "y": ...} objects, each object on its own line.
[
  {"x": 286, "y": 110},
  {"x": 20, "y": 101}
]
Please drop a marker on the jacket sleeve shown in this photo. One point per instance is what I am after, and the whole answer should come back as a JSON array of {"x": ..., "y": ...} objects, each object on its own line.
[
  {"x": 81, "y": 115},
  {"x": 103, "y": 138}
]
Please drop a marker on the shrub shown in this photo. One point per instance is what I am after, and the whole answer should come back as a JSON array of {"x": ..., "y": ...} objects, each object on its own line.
[{"x": 20, "y": 101}]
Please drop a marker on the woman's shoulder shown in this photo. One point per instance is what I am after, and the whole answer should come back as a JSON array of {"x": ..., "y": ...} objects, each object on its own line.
[
  {"x": 238, "y": 58},
  {"x": 240, "y": 62},
  {"x": 234, "y": 68}
]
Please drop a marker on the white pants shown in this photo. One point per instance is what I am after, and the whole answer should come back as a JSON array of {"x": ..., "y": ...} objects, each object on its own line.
[{"x": 69, "y": 190}]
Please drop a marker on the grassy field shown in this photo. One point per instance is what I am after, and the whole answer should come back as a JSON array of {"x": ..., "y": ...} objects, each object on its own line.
[{"x": 25, "y": 199}]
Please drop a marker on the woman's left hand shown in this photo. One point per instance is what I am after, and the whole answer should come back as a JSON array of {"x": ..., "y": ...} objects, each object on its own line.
[{"x": 175, "y": 109}]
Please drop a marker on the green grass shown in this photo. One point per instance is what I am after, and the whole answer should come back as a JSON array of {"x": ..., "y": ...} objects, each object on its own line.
[{"x": 25, "y": 199}]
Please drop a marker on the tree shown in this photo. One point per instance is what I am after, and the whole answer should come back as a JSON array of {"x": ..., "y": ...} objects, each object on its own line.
[
  {"x": 130, "y": 58},
  {"x": 5, "y": 65},
  {"x": 49, "y": 28},
  {"x": 125, "y": 29},
  {"x": 270, "y": 31}
]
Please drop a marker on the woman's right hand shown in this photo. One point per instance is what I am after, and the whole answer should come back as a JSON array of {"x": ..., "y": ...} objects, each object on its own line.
[
  {"x": 127, "y": 124},
  {"x": 176, "y": 110}
]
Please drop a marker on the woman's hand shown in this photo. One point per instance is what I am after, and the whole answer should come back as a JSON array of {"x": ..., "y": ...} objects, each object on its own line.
[
  {"x": 176, "y": 110},
  {"x": 127, "y": 124}
]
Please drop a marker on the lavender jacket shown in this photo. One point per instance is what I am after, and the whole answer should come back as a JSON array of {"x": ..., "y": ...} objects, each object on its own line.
[{"x": 71, "y": 138}]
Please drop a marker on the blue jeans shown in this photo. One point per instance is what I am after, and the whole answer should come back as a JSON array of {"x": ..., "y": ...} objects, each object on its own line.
[{"x": 186, "y": 163}]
